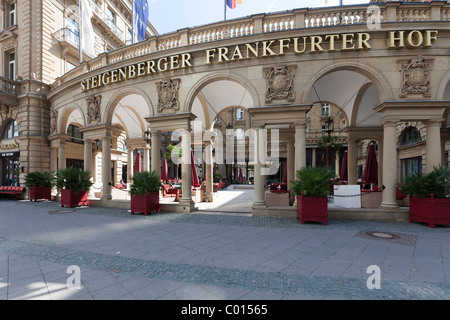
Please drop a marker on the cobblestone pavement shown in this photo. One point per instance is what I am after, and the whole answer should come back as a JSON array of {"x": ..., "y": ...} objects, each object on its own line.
[{"x": 210, "y": 256}]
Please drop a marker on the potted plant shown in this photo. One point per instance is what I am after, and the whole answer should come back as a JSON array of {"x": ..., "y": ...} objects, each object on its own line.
[
  {"x": 40, "y": 185},
  {"x": 144, "y": 192},
  {"x": 429, "y": 193},
  {"x": 311, "y": 189},
  {"x": 74, "y": 184}
]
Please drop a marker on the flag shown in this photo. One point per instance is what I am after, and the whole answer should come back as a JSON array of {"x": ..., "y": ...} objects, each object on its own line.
[
  {"x": 140, "y": 19},
  {"x": 87, "y": 37},
  {"x": 232, "y": 3}
]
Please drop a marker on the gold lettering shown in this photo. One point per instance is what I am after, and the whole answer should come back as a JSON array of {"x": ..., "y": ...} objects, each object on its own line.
[
  {"x": 174, "y": 62},
  {"x": 394, "y": 37},
  {"x": 254, "y": 51},
  {"x": 346, "y": 41},
  {"x": 283, "y": 45},
  {"x": 151, "y": 67},
  {"x": 332, "y": 38},
  {"x": 266, "y": 49},
  {"x": 83, "y": 86},
  {"x": 222, "y": 55},
  {"x": 237, "y": 55},
  {"x": 94, "y": 82},
  {"x": 315, "y": 44},
  {"x": 363, "y": 41},
  {"x": 186, "y": 60},
  {"x": 430, "y": 37},
  {"x": 414, "y": 36},
  {"x": 162, "y": 64},
  {"x": 209, "y": 55},
  {"x": 141, "y": 69},
  {"x": 122, "y": 75},
  {"x": 114, "y": 77},
  {"x": 105, "y": 79},
  {"x": 296, "y": 50},
  {"x": 131, "y": 72}
]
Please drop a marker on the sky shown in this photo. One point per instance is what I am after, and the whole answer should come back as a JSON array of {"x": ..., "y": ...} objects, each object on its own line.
[{"x": 171, "y": 15}]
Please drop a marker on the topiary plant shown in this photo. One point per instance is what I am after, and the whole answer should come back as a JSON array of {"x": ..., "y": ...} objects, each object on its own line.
[{"x": 145, "y": 182}]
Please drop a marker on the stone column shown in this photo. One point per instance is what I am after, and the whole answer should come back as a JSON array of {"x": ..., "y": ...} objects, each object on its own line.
[
  {"x": 351, "y": 162},
  {"x": 156, "y": 152},
  {"x": 389, "y": 166},
  {"x": 209, "y": 173},
  {"x": 88, "y": 155},
  {"x": 62, "y": 156},
  {"x": 53, "y": 159},
  {"x": 259, "y": 179},
  {"x": 106, "y": 168},
  {"x": 186, "y": 188},
  {"x": 380, "y": 163},
  {"x": 433, "y": 145},
  {"x": 130, "y": 165},
  {"x": 314, "y": 157},
  {"x": 337, "y": 164},
  {"x": 290, "y": 163},
  {"x": 146, "y": 166},
  {"x": 300, "y": 147}
]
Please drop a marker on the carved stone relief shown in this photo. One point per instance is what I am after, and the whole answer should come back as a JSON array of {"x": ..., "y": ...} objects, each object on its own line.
[
  {"x": 53, "y": 122},
  {"x": 93, "y": 114},
  {"x": 279, "y": 81},
  {"x": 168, "y": 94},
  {"x": 416, "y": 78}
]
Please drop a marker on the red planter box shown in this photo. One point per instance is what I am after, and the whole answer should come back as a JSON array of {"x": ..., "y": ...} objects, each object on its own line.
[
  {"x": 312, "y": 209},
  {"x": 429, "y": 210},
  {"x": 68, "y": 198},
  {"x": 37, "y": 193},
  {"x": 145, "y": 203}
]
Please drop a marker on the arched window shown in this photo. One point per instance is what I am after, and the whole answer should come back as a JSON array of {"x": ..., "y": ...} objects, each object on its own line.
[
  {"x": 74, "y": 134},
  {"x": 11, "y": 130},
  {"x": 410, "y": 136}
]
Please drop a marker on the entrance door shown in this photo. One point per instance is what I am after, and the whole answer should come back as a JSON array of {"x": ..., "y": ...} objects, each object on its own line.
[{"x": 11, "y": 171}]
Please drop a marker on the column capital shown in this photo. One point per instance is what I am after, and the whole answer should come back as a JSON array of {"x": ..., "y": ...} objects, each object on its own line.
[{"x": 389, "y": 123}]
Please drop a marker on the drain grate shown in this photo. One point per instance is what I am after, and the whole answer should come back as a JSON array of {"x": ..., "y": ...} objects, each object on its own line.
[
  {"x": 398, "y": 238},
  {"x": 60, "y": 212}
]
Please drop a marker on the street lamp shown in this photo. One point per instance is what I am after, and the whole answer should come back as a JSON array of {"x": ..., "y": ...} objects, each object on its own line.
[
  {"x": 147, "y": 136},
  {"x": 329, "y": 126}
]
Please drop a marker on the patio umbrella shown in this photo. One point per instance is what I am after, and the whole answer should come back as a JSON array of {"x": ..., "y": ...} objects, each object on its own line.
[
  {"x": 165, "y": 171},
  {"x": 236, "y": 174},
  {"x": 241, "y": 177},
  {"x": 194, "y": 176},
  {"x": 138, "y": 163},
  {"x": 285, "y": 173},
  {"x": 344, "y": 168},
  {"x": 371, "y": 169}
]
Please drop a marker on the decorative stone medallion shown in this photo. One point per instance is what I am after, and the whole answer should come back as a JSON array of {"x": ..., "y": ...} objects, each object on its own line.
[
  {"x": 93, "y": 113},
  {"x": 416, "y": 78},
  {"x": 279, "y": 81},
  {"x": 168, "y": 94}
]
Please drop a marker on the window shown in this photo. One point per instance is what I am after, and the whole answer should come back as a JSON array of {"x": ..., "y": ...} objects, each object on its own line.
[
  {"x": 74, "y": 134},
  {"x": 129, "y": 37},
  {"x": 12, "y": 14},
  {"x": 239, "y": 114},
  {"x": 325, "y": 110},
  {"x": 11, "y": 130},
  {"x": 410, "y": 136},
  {"x": 411, "y": 165},
  {"x": 12, "y": 65},
  {"x": 111, "y": 15},
  {"x": 240, "y": 134},
  {"x": 73, "y": 30}
]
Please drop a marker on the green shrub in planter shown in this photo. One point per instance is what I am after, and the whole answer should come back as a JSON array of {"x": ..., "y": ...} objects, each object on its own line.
[
  {"x": 145, "y": 182},
  {"x": 73, "y": 179},
  {"x": 40, "y": 179},
  {"x": 313, "y": 182}
]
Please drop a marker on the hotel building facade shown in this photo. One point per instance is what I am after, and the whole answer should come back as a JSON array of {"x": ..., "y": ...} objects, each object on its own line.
[{"x": 379, "y": 71}]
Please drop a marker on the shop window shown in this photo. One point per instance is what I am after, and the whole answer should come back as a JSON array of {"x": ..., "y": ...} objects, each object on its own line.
[
  {"x": 11, "y": 130},
  {"x": 410, "y": 166},
  {"x": 410, "y": 136},
  {"x": 74, "y": 134}
]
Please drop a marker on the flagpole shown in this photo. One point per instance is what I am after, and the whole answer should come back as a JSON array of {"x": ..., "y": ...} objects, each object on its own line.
[
  {"x": 80, "y": 24},
  {"x": 132, "y": 23},
  {"x": 225, "y": 10}
]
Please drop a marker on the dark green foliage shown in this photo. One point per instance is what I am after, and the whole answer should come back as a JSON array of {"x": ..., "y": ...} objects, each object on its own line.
[
  {"x": 423, "y": 185},
  {"x": 73, "y": 179},
  {"x": 145, "y": 182},
  {"x": 313, "y": 182},
  {"x": 40, "y": 179}
]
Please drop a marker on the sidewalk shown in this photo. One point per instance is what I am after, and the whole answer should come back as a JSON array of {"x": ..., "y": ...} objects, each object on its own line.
[{"x": 213, "y": 256}]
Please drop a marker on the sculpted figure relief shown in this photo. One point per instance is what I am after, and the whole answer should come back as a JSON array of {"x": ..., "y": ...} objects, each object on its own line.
[
  {"x": 53, "y": 122},
  {"x": 93, "y": 113}
]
